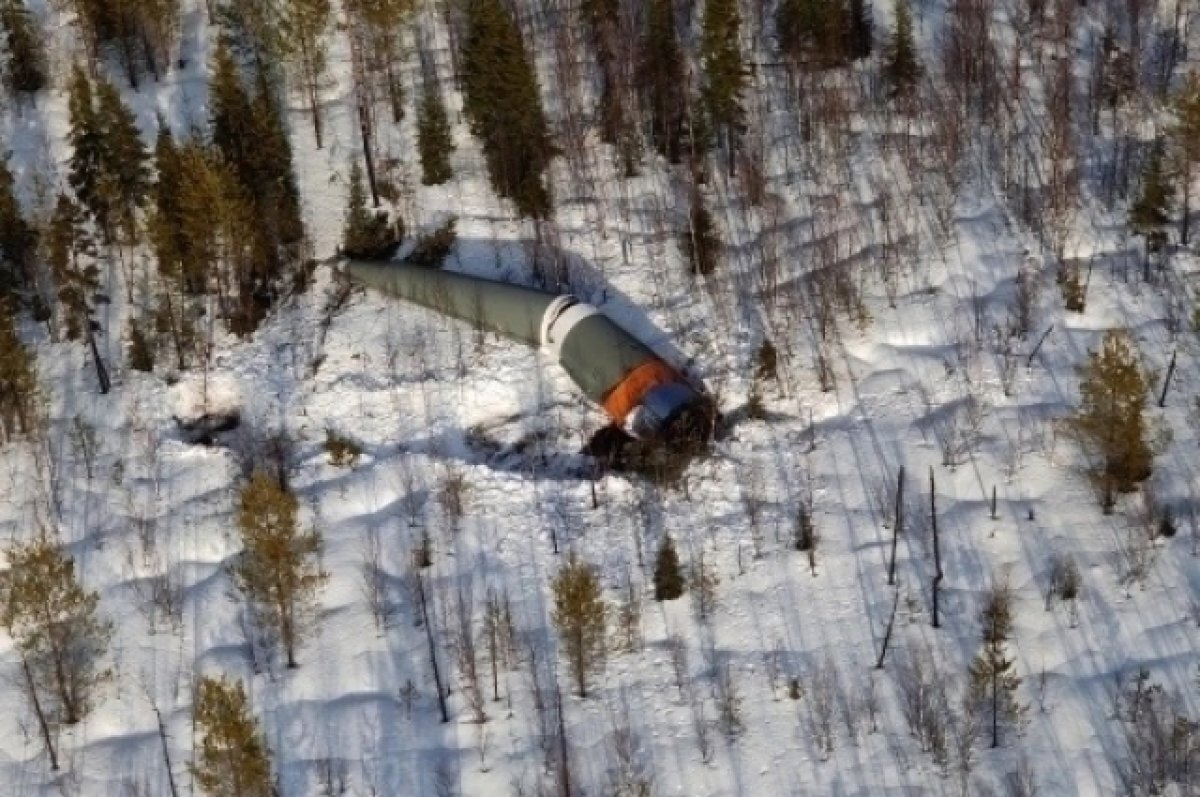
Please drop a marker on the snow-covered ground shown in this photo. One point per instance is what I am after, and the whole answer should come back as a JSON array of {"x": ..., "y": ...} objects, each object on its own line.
[{"x": 919, "y": 384}]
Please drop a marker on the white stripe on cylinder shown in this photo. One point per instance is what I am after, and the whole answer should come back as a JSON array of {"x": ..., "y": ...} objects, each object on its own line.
[{"x": 559, "y": 319}]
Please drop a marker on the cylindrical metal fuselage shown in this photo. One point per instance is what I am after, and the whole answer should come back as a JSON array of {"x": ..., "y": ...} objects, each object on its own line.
[{"x": 638, "y": 390}]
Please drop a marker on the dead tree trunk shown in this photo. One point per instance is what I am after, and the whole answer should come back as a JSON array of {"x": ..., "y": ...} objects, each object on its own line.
[
  {"x": 887, "y": 634},
  {"x": 937, "y": 551},
  {"x": 43, "y": 725},
  {"x": 437, "y": 674},
  {"x": 896, "y": 523}
]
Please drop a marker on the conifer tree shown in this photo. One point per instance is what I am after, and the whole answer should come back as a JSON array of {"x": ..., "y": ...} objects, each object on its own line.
[
  {"x": 18, "y": 240},
  {"x": 993, "y": 681},
  {"x": 303, "y": 24},
  {"x": 26, "y": 67},
  {"x": 811, "y": 32},
  {"x": 109, "y": 168},
  {"x": 859, "y": 30},
  {"x": 504, "y": 108},
  {"x": 377, "y": 23},
  {"x": 69, "y": 253},
  {"x": 255, "y": 151},
  {"x": 1185, "y": 136},
  {"x": 233, "y": 759},
  {"x": 434, "y": 141},
  {"x": 278, "y": 572},
  {"x": 1110, "y": 422},
  {"x": 668, "y": 575},
  {"x": 580, "y": 615},
  {"x": 1151, "y": 211},
  {"x": 124, "y": 161},
  {"x": 902, "y": 66},
  {"x": 57, "y": 627},
  {"x": 166, "y": 222},
  {"x": 662, "y": 82},
  {"x": 18, "y": 379},
  {"x": 701, "y": 243},
  {"x": 367, "y": 235},
  {"x": 86, "y": 166},
  {"x": 724, "y": 74}
]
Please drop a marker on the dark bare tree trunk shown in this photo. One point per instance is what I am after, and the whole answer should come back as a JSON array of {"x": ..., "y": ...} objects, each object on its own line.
[
  {"x": 437, "y": 674},
  {"x": 896, "y": 523},
  {"x": 937, "y": 551},
  {"x": 43, "y": 725},
  {"x": 887, "y": 634},
  {"x": 166, "y": 751},
  {"x": 101, "y": 371},
  {"x": 1162, "y": 399}
]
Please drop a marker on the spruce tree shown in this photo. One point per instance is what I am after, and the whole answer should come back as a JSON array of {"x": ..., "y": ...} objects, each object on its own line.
[
  {"x": 1185, "y": 137},
  {"x": 859, "y": 30},
  {"x": 18, "y": 378},
  {"x": 1151, "y": 211},
  {"x": 367, "y": 234},
  {"x": 85, "y": 170},
  {"x": 1110, "y": 422},
  {"x": 504, "y": 108},
  {"x": 165, "y": 225},
  {"x": 668, "y": 575},
  {"x": 580, "y": 615},
  {"x": 249, "y": 134},
  {"x": 70, "y": 255},
  {"x": 661, "y": 81},
  {"x": 26, "y": 67},
  {"x": 303, "y": 24},
  {"x": 993, "y": 681},
  {"x": 18, "y": 240},
  {"x": 233, "y": 759},
  {"x": 811, "y": 31},
  {"x": 278, "y": 570},
  {"x": 434, "y": 141},
  {"x": 724, "y": 73},
  {"x": 57, "y": 627},
  {"x": 701, "y": 243},
  {"x": 124, "y": 160},
  {"x": 902, "y": 66}
]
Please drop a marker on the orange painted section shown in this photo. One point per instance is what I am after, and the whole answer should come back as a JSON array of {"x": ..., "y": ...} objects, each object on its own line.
[{"x": 628, "y": 393}]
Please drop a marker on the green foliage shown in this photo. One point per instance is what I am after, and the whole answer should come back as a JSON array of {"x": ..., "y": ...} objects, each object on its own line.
[
  {"x": 277, "y": 572},
  {"x": 233, "y": 759},
  {"x": 26, "y": 68},
  {"x": 256, "y": 154},
  {"x": 724, "y": 72},
  {"x": 367, "y": 235},
  {"x": 661, "y": 81},
  {"x": 109, "y": 165},
  {"x": 434, "y": 142},
  {"x": 1110, "y": 422},
  {"x": 1185, "y": 138},
  {"x": 1151, "y": 211},
  {"x": 125, "y": 168},
  {"x": 580, "y": 615},
  {"x": 70, "y": 254},
  {"x": 815, "y": 33},
  {"x": 701, "y": 243},
  {"x": 18, "y": 240},
  {"x": 56, "y": 626},
  {"x": 992, "y": 680},
  {"x": 504, "y": 108},
  {"x": 668, "y": 574},
  {"x": 901, "y": 64},
  {"x": 18, "y": 379},
  {"x": 432, "y": 249}
]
